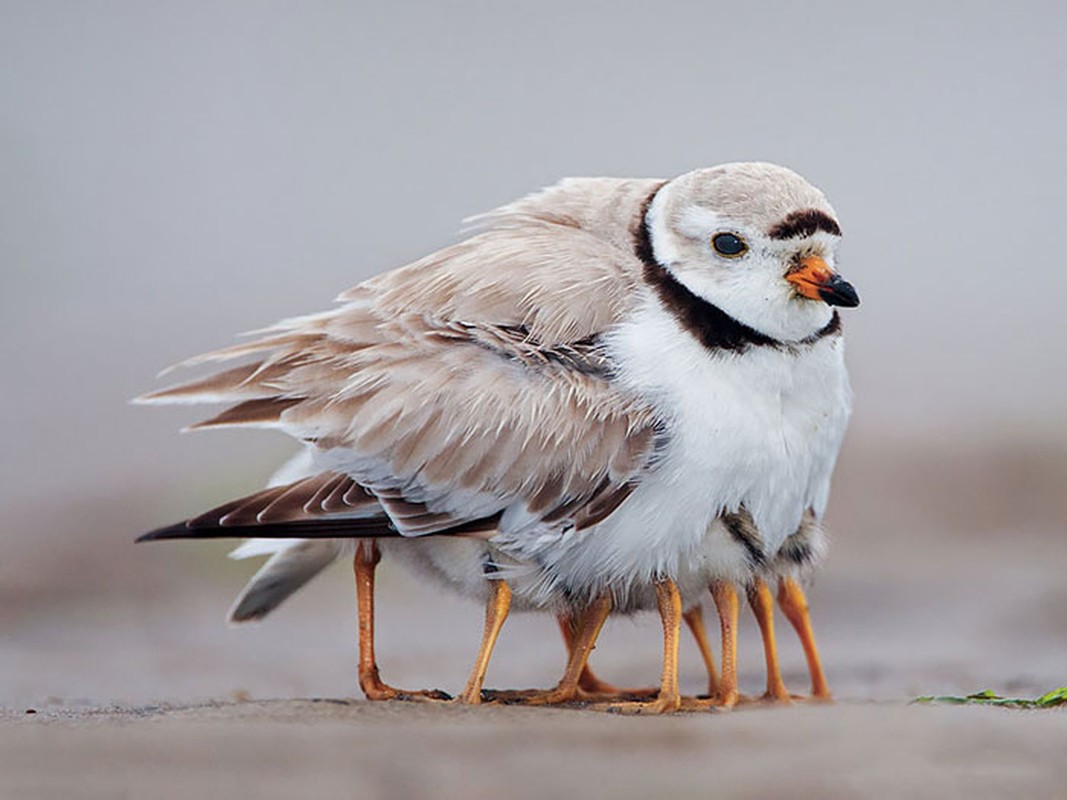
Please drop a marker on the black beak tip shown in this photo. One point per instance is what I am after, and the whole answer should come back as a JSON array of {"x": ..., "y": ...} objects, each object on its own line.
[{"x": 839, "y": 292}]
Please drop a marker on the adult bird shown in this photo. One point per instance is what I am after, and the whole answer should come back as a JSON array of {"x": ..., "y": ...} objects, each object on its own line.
[{"x": 631, "y": 389}]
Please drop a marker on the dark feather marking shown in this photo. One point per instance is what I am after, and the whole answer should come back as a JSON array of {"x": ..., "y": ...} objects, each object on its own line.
[
  {"x": 304, "y": 529},
  {"x": 334, "y": 502},
  {"x": 357, "y": 495},
  {"x": 314, "y": 503},
  {"x": 804, "y": 223},
  {"x": 798, "y": 548},
  {"x": 289, "y": 504},
  {"x": 711, "y": 326},
  {"x": 418, "y": 520},
  {"x": 743, "y": 531},
  {"x": 247, "y": 511},
  {"x": 585, "y": 356},
  {"x": 215, "y": 515},
  {"x": 602, "y": 507},
  {"x": 310, "y": 529},
  {"x": 832, "y": 327},
  {"x": 571, "y": 504},
  {"x": 796, "y": 551},
  {"x": 541, "y": 500},
  {"x": 474, "y": 527}
]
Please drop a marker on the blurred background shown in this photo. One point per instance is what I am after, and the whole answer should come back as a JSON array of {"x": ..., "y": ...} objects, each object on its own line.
[{"x": 176, "y": 173}]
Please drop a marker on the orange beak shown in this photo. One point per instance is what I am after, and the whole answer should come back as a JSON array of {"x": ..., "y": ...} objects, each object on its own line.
[{"x": 816, "y": 281}]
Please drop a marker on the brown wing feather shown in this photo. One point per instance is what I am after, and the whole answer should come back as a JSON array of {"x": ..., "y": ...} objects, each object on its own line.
[
  {"x": 281, "y": 512},
  {"x": 226, "y": 386},
  {"x": 291, "y": 510},
  {"x": 264, "y": 411},
  {"x": 293, "y": 502},
  {"x": 476, "y": 369}
]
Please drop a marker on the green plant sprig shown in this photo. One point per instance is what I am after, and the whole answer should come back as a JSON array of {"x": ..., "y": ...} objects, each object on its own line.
[{"x": 1057, "y": 697}]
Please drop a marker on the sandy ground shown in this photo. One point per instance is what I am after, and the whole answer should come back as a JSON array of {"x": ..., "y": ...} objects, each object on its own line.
[
  {"x": 945, "y": 577},
  {"x": 294, "y": 748}
]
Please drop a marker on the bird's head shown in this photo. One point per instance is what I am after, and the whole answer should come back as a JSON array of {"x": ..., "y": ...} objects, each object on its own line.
[{"x": 757, "y": 241}]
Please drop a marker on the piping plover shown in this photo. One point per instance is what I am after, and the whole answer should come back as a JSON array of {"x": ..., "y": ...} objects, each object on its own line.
[{"x": 631, "y": 389}]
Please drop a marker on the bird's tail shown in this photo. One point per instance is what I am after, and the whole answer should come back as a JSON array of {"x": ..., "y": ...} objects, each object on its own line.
[{"x": 292, "y": 564}]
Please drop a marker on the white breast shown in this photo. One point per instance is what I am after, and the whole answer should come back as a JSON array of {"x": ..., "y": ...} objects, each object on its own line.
[{"x": 760, "y": 429}]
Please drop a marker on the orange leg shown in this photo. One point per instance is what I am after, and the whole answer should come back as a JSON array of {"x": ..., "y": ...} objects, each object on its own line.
[
  {"x": 364, "y": 564},
  {"x": 496, "y": 612},
  {"x": 794, "y": 605},
  {"x": 589, "y": 685},
  {"x": 669, "y": 697},
  {"x": 588, "y": 625},
  {"x": 694, "y": 618},
  {"x": 726, "y": 603},
  {"x": 588, "y": 682},
  {"x": 762, "y": 603}
]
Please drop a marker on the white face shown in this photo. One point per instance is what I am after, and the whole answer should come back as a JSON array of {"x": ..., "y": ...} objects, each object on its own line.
[{"x": 735, "y": 266}]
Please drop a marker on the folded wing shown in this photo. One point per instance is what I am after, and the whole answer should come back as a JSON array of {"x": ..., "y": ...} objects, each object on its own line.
[{"x": 468, "y": 390}]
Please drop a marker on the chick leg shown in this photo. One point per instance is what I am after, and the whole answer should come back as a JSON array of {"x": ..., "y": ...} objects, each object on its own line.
[
  {"x": 694, "y": 618},
  {"x": 794, "y": 605},
  {"x": 589, "y": 685},
  {"x": 496, "y": 612},
  {"x": 364, "y": 564},
  {"x": 762, "y": 603},
  {"x": 588, "y": 682},
  {"x": 588, "y": 625},
  {"x": 726, "y": 603},
  {"x": 669, "y": 698}
]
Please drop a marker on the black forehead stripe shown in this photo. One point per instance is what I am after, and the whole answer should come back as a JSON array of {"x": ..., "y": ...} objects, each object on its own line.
[{"x": 804, "y": 223}]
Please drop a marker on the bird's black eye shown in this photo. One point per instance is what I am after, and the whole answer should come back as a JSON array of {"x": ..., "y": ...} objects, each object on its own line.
[{"x": 729, "y": 245}]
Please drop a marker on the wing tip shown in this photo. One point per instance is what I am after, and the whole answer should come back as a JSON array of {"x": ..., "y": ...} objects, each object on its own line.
[
  {"x": 150, "y": 399},
  {"x": 179, "y": 531},
  {"x": 238, "y": 616}
]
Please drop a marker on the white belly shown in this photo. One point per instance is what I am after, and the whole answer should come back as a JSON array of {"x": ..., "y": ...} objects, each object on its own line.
[
  {"x": 465, "y": 566},
  {"x": 759, "y": 429}
]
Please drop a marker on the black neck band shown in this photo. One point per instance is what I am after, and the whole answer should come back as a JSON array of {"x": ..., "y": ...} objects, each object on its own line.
[{"x": 713, "y": 327}]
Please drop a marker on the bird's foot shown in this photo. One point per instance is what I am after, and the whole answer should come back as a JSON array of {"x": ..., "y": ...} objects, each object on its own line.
[
  {"x": 777, "y": 696},
  {"x": 381, "y": 691},
  {"x": 596, "y": 689},
  {"x": 561, "y": 696},
  {"x": 657, "y": 705},
  {"x": 724, "y": 701},
  {"x": 606, "y": 693}
]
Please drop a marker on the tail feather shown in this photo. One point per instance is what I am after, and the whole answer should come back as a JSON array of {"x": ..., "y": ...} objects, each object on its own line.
[{"x": 281, "y": 576}]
